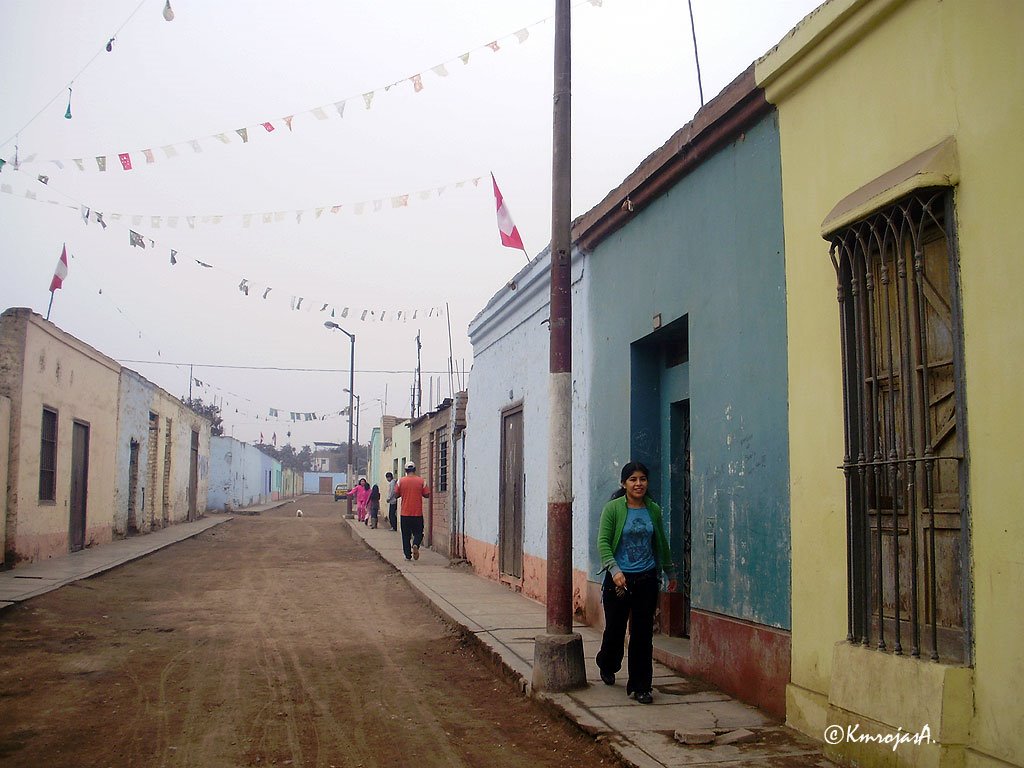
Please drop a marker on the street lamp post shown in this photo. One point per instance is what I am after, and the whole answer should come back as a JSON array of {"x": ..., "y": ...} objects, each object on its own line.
[
  {"x": 351, "y": 384},
  {"x": 357, "y": 414}
]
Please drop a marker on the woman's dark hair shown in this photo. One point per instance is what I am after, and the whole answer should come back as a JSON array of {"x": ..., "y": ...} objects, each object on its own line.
[
  {"x": 627, "y": 470},
  {"x": 374, "y": 493}
]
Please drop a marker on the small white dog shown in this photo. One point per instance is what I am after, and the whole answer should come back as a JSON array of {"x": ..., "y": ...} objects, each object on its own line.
[{"x": 298, "y": 513}]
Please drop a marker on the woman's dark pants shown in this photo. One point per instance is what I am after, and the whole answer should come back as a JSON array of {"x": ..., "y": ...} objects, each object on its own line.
[{"x": 636, "y": 607}]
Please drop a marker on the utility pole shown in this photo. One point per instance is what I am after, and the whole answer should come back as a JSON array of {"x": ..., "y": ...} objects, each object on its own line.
[
  {"x": 419, "y": 377},
  {"x": 351, "y": 394},
  {"x": 558, "y": 655}
]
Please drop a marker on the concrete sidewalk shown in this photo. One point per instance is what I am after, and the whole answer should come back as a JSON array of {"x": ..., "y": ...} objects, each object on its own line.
[
  {"x": 32, "y": 579},
  {"x": 506, "y": 623}
]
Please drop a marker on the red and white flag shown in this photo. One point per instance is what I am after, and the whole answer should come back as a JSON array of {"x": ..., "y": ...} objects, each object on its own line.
[
  {"x": 61, "y": 271},
  {"x": 506, "y": 227}
]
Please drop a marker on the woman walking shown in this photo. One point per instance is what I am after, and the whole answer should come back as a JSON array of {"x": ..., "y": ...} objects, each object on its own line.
[
  {"x": 634, "y": 549},
  {"x": 361, "y": 492},
  {"x": 374, "y": 505}
]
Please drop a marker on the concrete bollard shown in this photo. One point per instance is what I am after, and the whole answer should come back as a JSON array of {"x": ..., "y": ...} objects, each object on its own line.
[{"x": 558, "y": 663}]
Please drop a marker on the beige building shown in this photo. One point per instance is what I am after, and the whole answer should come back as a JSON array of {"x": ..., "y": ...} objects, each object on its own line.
[
  {"x": 91, "y": 450},
  {"x": 63, "y": 429},
  {"x": 432, "y": 439}
]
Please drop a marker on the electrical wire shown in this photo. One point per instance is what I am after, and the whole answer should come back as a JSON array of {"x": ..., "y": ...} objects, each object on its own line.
[
  {"x": 276, "y": 368},
  {"x": 88, "y": 64}
]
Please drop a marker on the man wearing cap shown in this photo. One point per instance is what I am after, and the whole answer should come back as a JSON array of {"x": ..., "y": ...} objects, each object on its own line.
[{"x": 411, "y": 489}]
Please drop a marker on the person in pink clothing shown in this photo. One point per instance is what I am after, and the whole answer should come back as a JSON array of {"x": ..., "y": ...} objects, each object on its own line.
[{"x": 361, "y": 492}]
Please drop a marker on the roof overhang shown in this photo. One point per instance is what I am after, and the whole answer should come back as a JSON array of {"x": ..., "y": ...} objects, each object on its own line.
[
  {"x": 718, "y": 122},
  {"x": 937, "y": 166}
]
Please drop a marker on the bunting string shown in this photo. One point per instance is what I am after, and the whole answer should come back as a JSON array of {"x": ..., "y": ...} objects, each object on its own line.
[
  {"x": 250, "y": 218},
  {"x": 247, "y": 286},
  {"x": 251, "y": 410},
  {"x": 131, "y": 159}
]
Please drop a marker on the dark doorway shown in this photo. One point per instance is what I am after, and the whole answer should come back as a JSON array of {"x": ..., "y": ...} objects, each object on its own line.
[
  {"x": 676, "y": 605},
  {"x": 660, "y": 437},
  {"x": 165, "y": 506},
  {"x": 511, "y": 488},
  {"x": 152, "y": 447},
  {"x": 79, "y": 485},
  {"x": 193, "y": 477},
  {"x": 132, "y": 525}
]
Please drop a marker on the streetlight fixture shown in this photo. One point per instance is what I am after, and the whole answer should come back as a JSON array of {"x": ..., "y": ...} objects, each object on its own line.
[{"x": 351, "y": 384}]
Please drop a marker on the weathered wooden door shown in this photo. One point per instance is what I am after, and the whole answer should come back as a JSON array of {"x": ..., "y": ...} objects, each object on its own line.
[
  {"x": 511, "y": 489},
  {"x": 904, "y": 457},
  {"x": 326, "y": 484},
  {"x": 152, "y": 474},
  {"x": 79, "y": 485},
  {"x": 193, "y": 478},
  {"x": 917, "y": 522}
]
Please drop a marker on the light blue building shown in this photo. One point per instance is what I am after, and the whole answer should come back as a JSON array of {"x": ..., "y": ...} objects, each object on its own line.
[
  {"x": 687, "y": 297},
  {"x": 163, "y": 462},
  {"x": 241, "y": 475},
  {"x": 679, "y": 361}
]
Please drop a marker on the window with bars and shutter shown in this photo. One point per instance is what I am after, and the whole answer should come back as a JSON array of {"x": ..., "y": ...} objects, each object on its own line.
[
  {"x": 48, "y": 457},
  {"x": 441, "y": 436},
  {"x": 904, "y": 426}
]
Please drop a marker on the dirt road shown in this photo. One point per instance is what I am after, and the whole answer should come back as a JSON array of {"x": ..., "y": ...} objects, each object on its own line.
[{"x": 269, "y": 640}]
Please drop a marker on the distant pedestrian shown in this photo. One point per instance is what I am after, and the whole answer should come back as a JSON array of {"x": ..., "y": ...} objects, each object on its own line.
[
  {"x": 374, "y": 505},
  {"x": 633, "y": 548},
  {"x": 392, "y": 502},
  {"x": 361, "y": 492},
  {"x": 412, "y": 489}
]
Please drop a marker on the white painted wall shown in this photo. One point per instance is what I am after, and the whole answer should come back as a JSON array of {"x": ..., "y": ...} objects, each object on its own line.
[
  {"x": 238, "y": 474},
  {"x": 510, "y": 341}
]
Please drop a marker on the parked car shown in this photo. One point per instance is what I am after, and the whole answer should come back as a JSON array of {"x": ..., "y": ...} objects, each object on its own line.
[{"x": 340, "y": 492}]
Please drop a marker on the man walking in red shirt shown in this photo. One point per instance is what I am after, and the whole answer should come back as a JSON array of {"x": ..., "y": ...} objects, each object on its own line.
[{"x": 411, "y": 489}]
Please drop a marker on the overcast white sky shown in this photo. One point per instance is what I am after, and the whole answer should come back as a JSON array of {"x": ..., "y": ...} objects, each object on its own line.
[{"x": 221, "y": 66}]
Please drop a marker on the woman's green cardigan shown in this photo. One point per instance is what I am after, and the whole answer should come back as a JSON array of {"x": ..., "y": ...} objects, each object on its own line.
[{"x": 613, "y": 519}]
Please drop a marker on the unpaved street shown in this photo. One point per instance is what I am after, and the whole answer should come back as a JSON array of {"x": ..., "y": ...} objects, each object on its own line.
[{"x": 268, "y": 640}]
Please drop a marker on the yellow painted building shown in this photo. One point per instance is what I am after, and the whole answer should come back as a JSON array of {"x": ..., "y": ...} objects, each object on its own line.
[{"x": 901, "y": 125}]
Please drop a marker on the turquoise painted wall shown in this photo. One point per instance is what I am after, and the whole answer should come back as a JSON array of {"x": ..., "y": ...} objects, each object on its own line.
[{"x": 711, "y": 249}]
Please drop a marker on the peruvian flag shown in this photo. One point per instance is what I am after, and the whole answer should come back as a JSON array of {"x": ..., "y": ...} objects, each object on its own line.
[
  {"x": 61, "y": 271},
  {"x": 506, "y": 227}
]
